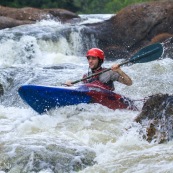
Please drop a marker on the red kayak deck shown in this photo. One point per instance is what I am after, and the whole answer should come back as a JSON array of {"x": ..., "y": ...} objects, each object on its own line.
[{"x": 109, "y": 99}]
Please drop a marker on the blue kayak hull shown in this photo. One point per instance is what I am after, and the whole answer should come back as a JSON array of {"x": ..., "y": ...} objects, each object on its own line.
[{"x": 44, "y": 98}]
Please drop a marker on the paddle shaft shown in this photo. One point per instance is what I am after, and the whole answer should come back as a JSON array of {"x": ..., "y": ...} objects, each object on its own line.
[{"x": 147, "y": 54}]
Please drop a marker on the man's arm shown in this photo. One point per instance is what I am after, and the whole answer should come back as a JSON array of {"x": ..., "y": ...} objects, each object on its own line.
[{"x": 124, "y": 78}]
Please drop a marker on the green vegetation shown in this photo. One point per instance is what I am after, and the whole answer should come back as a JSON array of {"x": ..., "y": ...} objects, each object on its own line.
[{"x": 77, "y": 6}]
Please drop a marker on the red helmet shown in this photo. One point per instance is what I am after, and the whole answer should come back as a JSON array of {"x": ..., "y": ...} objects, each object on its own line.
[{"x": 96, "y": 53}]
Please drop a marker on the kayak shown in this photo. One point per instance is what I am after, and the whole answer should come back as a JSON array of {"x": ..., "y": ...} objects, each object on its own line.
[{"x": 44, "y": 98}]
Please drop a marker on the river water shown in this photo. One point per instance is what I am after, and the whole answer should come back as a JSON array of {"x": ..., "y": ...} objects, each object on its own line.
[{"x": 109, "y": 141}]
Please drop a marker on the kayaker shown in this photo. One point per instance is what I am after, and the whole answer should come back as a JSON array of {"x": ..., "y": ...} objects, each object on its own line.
[{"x": 96, "y": 58}]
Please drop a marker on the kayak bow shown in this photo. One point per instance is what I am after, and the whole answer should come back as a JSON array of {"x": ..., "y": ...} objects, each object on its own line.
[{"x": 44, "y": 98}]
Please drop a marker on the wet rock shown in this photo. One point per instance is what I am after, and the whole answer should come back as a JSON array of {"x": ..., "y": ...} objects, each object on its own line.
[
  {"x": 11, "y": 17},
  {"x": 62, "y": 14},
  {"x": 140, "y": 23},
  {"x": 58, "y": 67},
  {"x": 1, "y": 90},
  {"x": 134, "y": 27},
  {"x": 161, "y": 37},
  {"x": 116, "y": 51},
  {"x": 27, "y": 13},
  {"x": 168, "y": 48},
  {"x": 157, "y": 118},
  {"x": 167, "y": 40},
  {"x": 7, "y": 22}
]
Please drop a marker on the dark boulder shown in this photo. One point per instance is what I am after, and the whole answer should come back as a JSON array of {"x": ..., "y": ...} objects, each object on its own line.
[
  {"x": 157, "y": 118},
  {"x": 27, "y": 13},
  {"x": 134, "y": 27},
  {"x": 7, "y": 22},
  {"x": 62, "y": 14},
  {"x": 11, "y": 17},
  {"x": 1, "y": 90}
]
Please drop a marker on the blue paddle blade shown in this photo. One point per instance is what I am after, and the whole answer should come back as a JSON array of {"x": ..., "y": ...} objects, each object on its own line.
[{"x": 147, "y": 54}]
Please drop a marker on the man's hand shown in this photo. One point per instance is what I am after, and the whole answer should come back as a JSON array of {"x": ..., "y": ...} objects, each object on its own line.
[
  {"x": 68, "y": 83},
  {"x": 115, "y": 67}
]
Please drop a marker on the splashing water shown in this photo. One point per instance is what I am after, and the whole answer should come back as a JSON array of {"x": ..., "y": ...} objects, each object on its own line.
[{"x": 106, "y": 140}]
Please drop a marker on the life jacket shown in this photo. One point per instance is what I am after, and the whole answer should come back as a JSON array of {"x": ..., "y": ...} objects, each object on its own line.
[{"x": 95, "y": 79}]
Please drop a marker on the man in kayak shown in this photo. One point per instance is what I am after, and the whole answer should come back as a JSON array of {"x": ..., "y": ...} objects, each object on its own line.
[{"x": 96, "y": 58}]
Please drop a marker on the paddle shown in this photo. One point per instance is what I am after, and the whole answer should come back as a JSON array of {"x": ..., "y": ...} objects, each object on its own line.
[{"x": 147, "y": 54}]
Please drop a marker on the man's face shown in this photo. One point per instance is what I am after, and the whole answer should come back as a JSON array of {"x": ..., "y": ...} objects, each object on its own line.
[{"x": 93, "y": 62}]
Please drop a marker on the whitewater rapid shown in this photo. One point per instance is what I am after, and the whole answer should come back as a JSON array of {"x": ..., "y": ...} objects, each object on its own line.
[{"x": 39, "y": 54}]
